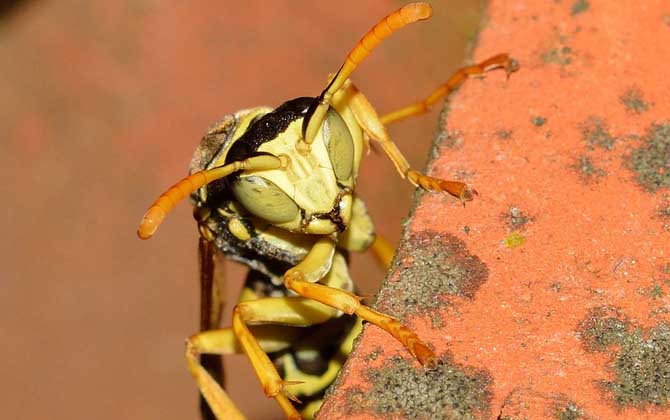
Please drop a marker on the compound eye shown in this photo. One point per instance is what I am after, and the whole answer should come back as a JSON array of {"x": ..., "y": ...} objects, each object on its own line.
[
  {"x": 265, "y": 199},
  {"x": 340, "y": 145}
]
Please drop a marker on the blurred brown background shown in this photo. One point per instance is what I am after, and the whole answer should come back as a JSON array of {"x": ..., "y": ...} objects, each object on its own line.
[{"x": 101, "y": 106}]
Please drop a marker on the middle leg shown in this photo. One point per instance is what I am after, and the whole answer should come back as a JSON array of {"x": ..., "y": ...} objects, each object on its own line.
[
  {"x": 367, "y": 118},
  {"x": 301, "y": 279},
  {"x": 292, "y": 311}
]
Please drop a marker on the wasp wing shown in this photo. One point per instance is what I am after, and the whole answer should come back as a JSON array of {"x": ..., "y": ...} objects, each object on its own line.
[{"x": 212, "y": 282}]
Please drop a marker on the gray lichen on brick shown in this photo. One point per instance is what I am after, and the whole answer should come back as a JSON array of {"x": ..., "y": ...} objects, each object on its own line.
[
  {"x": 449, "y": 391},
  {"x": 431, "y": 266},
  {"x": 538, "y": 121},
  {"x": 642, "y": 367},
  {"x": 568, "y": 410},
  {"x": 503, "y": 134},
  {"x": 640, "y": 357},
  {"x": 595, "y": 132},
  {"x": 603, "y": 326},
  {"x": 559, "y": 55},
  {"x": 515, "y": 218},
  {"x": 651, "y": 161},
  {"x": 579, "y": 6},
  {"x": 587, "y": 169},
  {"x": 633, "y": 100}
]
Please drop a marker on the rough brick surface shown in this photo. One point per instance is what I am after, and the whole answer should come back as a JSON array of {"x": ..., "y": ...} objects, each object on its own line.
[{"x": 568, "y": 314}]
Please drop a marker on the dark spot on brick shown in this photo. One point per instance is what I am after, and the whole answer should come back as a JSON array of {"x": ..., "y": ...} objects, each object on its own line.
[
  {"x": 663, "y": 212},
  {"x": 450, "y": 139},
  {"x": 466, "y": 229},
  {"x": 503, "y": 134},
  {"x": 579, "y": 6},
  {"x": 658, "y": 311},
  {"x": 436, "y": 320},
  {"x": 556, "y": 287},
  {"x": 449, "y": 391},
  {"x": 431, "y": 266},
  {"x": 587, "y": 171},
  {"x": 655, "y": 291},
  {"x": 603, "y": 327},
  {"x": 595, "y": 133},
  {"x": 565, "y": 409},
  {"x": 651, "y": 161},
  {"x": 373, "y": 355},
  {"x": 642, "y": 368},
  {"x": 515, "y": 219},
  {"x": 538, "y": 121},
  {"x": 633, "y": 101},
  {"x": 560, "y": 55}
]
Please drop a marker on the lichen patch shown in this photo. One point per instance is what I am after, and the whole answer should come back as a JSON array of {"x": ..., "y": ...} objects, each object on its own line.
[
  {"x": 449, "y": 391},
  {"x": 603, "y": 326},
  {"x": 432, "y": 267},
  {"x": 579, "y": 6},
  {"x": 642, "y": 368},
  {"x": 633, "y": 100},
  {"x": 588, "y": 171},
  {"x": 595, "y": 133},
  {"x": 640, "y": 357},
  {"x": 651, "y": 161}
]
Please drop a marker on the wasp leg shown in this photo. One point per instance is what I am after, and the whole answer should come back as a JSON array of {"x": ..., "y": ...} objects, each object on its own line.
[
  {"x": 503, "y": 61},
  {"x": 382, "y": 251},
  {"x": 367, "y": 118},
  {"x": 301, "y": 277},
  {"x": 293, "y": 311},
  {"x": 218, "y": 342}
]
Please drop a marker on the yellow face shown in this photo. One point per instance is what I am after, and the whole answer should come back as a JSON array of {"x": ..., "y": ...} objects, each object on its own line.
[{"x": 314, "y": 193}]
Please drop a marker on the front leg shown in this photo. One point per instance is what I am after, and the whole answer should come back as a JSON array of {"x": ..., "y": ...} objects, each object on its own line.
[
  {"x": 301, "y": 279},
  {"x": 372, "y": 126}
]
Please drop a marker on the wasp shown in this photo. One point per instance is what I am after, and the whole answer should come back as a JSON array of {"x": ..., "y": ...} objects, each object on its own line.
[{"x": 275, "y": 189}]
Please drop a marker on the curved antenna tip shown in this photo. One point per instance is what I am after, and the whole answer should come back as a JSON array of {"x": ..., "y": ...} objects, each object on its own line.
[
  {"x": 421, "y": 10},
  {"x": 153, "y": 217}
]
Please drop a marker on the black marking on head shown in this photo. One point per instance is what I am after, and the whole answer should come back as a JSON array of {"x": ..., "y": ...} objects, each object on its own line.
[
  {"x": 334, "y": 214},
  {"x": 335, "y": 217},
  {"x": 267, "y": 127},
  {"x": 310, "y": 111}
]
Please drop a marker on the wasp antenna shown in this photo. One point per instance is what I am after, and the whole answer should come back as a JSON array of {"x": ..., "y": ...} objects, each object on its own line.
[
  {"x": 405, "y": 15},
  {"x": 162, "y": 206}
]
